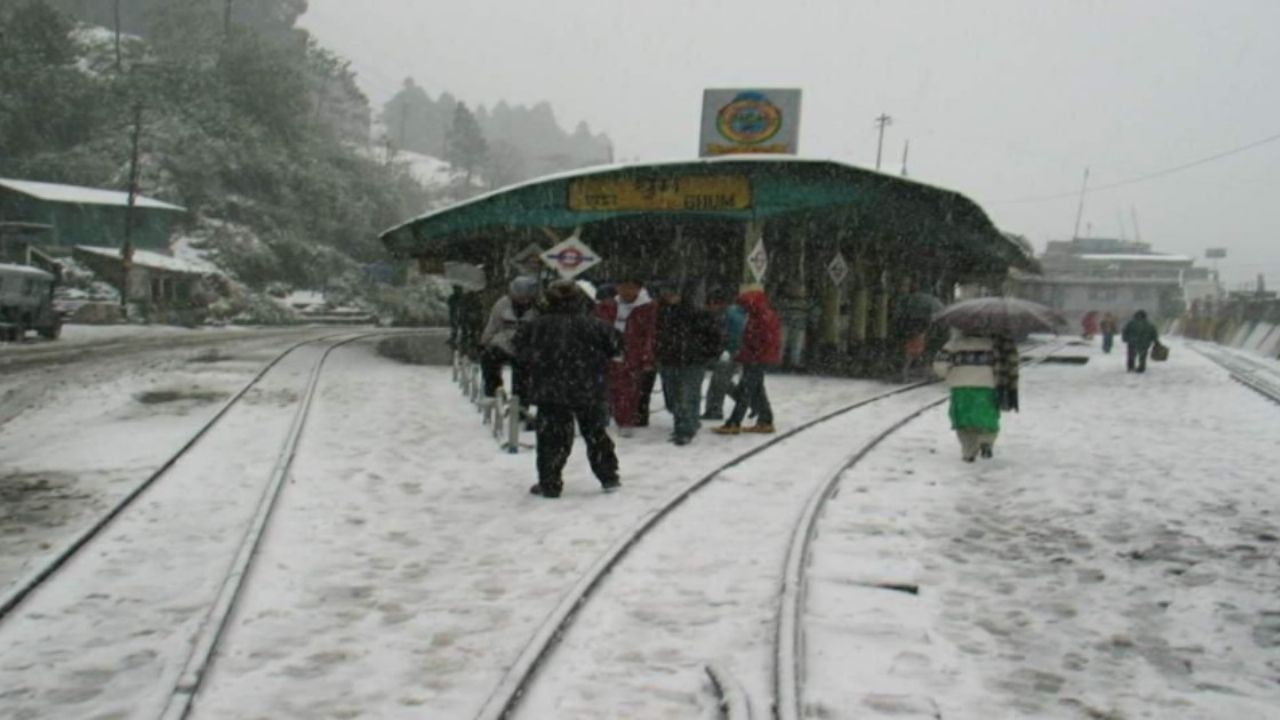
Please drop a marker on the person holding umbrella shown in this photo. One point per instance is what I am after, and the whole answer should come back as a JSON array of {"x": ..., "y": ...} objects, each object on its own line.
[
  {"x": 980, "y": 364},
  {"x": 982, "y": 372}
]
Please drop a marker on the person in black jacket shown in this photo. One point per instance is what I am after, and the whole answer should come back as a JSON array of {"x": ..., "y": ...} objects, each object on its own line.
[
  {"x": 688, "y": 338},
  {"x": 566, "y": 353}
]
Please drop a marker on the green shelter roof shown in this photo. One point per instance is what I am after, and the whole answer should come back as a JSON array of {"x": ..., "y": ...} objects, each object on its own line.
[{"x": 735, "y": 188}]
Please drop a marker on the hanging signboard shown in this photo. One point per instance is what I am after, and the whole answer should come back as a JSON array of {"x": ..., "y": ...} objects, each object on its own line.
[
  {"x": 706, "y": 192},
  {"x": 749, "y": 121},
  {"x": 758, "y": 261},
  {"x": 526, "y": 262},
  {"x": 571, "y": 258},
  {"x": 1215, "y": 253},
  {"x": 838, "y": 269}
]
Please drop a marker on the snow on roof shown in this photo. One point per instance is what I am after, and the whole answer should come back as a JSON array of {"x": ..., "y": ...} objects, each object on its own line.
[
  {"x": 155, "y": 261},
  {"x": 24, "y": 270},
  {"x": 591, "y": 170},
  {"x": 82, "y": 195},
  {"x": 1103, "y": 257}
]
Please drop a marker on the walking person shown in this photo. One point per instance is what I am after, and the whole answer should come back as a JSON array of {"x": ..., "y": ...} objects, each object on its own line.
[
  {"x": 1109, "y": 327},
  {"x": 1089, "y": 325},
  {"x": 567, "y": 353},
  {"x": 497, "y": 341},
  {"x": 982, "y": 372},
  {"x": 1139, "y": 335},
  {"x": 733, "y": 320},
  {"x": 632, "y": 313},
  {"x": 761, "y": 347},
  {"x": 688, "y": 338}
]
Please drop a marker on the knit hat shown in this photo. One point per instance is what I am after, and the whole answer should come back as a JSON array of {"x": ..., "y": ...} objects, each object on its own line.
[{"x": 525, "y": 286}]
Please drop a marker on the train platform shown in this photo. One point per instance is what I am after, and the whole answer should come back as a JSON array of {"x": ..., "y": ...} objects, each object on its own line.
[{"x": 1118, "y": 557}]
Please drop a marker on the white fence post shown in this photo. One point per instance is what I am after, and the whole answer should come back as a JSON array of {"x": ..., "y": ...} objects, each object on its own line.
[{"x": 513, "y": 426}]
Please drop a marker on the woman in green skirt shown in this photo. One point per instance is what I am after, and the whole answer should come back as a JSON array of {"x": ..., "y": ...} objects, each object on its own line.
[{"x": 982, "y": 372}]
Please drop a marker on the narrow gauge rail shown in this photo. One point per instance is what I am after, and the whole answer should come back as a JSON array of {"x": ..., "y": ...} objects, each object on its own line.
[
  {"x": 213, "y": 619},
  {"x": 789, "y": 645},
  {"x": 505, "y": 699},
  {"x": 1253, "y": 374},
  {"x": 28, "y": 583},
  {"x": 215, "y": 623},
  {"x": 52, "y": 354}
]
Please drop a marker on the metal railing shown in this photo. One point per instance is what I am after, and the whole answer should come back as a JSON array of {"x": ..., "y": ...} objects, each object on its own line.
[{"x": 501, "y": 413}]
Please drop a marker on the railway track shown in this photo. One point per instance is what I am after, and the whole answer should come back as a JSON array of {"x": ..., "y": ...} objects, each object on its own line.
[
  {"x": 52, "y": 354},
  {"x": 207, "y": 507},
  {"x": 832, "y": 433},
  {"x": 1257, "y": 375}
]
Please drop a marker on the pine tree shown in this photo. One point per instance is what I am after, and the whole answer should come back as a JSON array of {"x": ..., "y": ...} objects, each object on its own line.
[{"x": 465, "y": 146}]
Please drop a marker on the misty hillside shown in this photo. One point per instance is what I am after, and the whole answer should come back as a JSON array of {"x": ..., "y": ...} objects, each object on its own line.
[
  {"x": 520, "y": 142},
  {"x": 263, "y": 135}
]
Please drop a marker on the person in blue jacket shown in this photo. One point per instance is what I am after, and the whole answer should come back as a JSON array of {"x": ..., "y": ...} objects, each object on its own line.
[{"x": 733, "y": 320}]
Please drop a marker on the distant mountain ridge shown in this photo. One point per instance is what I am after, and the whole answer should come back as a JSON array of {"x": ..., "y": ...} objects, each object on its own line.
[{"x": 524, "y": 142}]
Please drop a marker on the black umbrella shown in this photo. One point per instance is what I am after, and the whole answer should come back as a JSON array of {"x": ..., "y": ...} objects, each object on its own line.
[{"x": 1000, "y": 316}]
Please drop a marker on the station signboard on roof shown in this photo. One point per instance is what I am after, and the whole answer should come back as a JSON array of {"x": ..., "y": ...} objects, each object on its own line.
[
  {"x": 749, "y": 121},
  {"x": 689, "y": 193}
]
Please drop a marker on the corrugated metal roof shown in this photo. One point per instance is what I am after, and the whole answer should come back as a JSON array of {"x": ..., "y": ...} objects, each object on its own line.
[
  {"x": 75, "y": 195},
  {"x": 25, "y": 270},
  {"x": 147, "y": 259}
]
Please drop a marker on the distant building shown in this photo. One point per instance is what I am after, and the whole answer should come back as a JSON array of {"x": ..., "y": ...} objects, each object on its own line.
[
  {"x": 167, "y": 289},
  {"x": 63, "y": 216},
  {"x": 1116, "y": 276}
]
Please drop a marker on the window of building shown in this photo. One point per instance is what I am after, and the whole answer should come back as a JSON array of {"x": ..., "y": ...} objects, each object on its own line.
[
  {"x": 1143, "y": 293},
  {"x": 1102, "y": 293}
]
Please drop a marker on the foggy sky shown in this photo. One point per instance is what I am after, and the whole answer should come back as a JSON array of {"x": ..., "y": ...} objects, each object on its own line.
[{"x": 1000, "y": 99}]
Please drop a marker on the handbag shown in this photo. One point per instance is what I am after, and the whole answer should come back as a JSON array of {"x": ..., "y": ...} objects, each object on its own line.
[{"x": 1159, "y": 353}]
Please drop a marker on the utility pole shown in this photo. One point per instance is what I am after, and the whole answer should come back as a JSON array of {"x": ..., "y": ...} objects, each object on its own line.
[
  {"x": 226, "y": 20},
  {"x": 1137, "y": 232},
  {"x": 126, "y": 248},
  {"x": 1075, "y": 234},
  {"x": 119, "y": 57},
  {"x": 881, "y": 121},
  {"x": 906, "y": 147}
]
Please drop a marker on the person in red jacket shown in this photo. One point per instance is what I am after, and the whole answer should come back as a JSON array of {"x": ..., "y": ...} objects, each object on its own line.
[
  {"x": 633, "y": 313},
  {"x": 761, "y": 347}
]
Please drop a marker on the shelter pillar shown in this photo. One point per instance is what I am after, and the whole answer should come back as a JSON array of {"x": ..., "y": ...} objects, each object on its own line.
[
  {"x": 879, "y": 286},
  {"x": 861, "y": 301},
  {"x": 830, "y": 319}
]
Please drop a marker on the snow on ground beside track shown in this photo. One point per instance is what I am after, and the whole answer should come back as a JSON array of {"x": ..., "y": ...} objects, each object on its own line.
[
  {"x": 109, "y": 634},
  {"x": 93, "y": 431},
  {"x": 1117, "y": 559},
  {"x": 408, "y": 565},
  {"x": 1118, "y": 556}
]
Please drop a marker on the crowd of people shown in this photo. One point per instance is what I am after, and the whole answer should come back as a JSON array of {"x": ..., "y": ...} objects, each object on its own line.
[{"x": 596, "y": 360}]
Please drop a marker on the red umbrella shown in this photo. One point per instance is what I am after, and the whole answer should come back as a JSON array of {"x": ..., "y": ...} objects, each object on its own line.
[{"x": 1000, "y": 316}]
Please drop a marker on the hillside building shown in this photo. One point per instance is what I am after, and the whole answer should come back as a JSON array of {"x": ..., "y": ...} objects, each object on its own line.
[{"x": 63, "y": 216}]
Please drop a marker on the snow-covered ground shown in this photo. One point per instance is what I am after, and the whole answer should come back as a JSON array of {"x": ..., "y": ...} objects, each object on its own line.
[{"x": 1117, "y": 559}]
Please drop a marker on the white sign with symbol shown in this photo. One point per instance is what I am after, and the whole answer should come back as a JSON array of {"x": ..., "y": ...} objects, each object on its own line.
[
  {"x": 838, "y": 269},
  {"x": 758, "y": 261},
  {"x": 571, "y": 258}
]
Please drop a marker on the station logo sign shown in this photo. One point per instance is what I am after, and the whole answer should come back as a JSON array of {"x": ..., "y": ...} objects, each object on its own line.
[
  {"x": 571, "y": 257},
  {"x": 749, "y": 121}
]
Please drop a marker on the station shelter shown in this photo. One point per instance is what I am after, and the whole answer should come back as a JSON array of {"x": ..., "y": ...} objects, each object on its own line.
[{"x": 845, "y": 244}]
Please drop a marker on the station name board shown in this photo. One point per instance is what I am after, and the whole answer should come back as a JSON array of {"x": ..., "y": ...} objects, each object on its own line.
[{"x": 697, "y": 193}]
